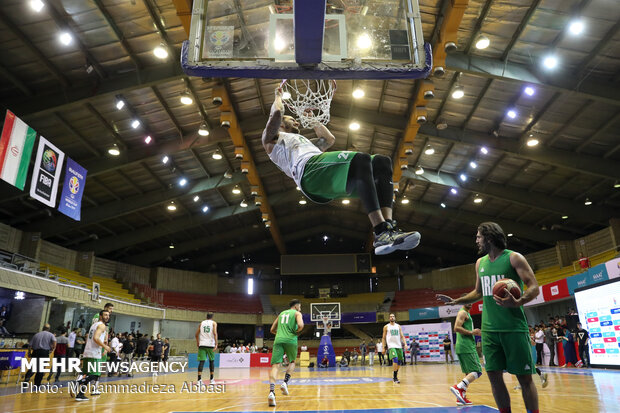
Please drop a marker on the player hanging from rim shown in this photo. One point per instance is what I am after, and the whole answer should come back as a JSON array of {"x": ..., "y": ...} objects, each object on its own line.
[
  {"x": 466, "y": 351},
  {"x": 206, "y": 340},
  {"x": 505, "y": 334},
  {"x": 395, "y": 340},
  {"x": 93, "y": 355},
  {"x": 286, "y": 327},
  {"x": 324, "y": 176}
]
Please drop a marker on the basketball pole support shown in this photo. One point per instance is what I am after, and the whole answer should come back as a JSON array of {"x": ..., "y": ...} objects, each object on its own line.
[{"x": 309, "y": 25}]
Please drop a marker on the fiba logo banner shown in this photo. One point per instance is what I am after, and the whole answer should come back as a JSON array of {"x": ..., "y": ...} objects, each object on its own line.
[
  {"x": 219, "y": 42},
  {"x": 72, "y": 190},
  {"x": 46, "y": 173}
]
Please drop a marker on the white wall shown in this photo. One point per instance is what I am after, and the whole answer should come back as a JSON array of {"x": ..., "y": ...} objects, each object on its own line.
[{"x": 123, "y": 322}]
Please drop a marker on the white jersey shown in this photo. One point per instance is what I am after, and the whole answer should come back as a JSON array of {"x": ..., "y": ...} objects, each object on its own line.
[
  {"x": 392, "y": 337},
  {"x": 207, "y": 336},
  {"x": 93, "y": 350},
  {"x": 291, "y": 152}
]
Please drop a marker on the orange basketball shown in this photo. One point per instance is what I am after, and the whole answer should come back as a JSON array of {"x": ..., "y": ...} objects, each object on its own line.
[{"x": 500, "y": 287}]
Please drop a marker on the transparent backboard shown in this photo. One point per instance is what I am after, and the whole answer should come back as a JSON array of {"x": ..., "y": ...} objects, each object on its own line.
[
  {"x": 368, "y": 36},
  {"x": 320, "y": 310}
]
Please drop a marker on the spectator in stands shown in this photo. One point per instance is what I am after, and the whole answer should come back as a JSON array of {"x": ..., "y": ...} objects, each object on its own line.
[
  {"x": 113, "y": 356},
  {"x": 227, "y": 349},
  {"x": 380, "y": 352},
  {"x": 234, "y": 349},
  {"x": 62, "y": 343},
  {"x": 324, "y": 362},
  {"x": 3, "y": 331},
  {"x": 4, "y": 313},
  {"x": 344, "y": 360},
  {"x": 447, "y": 349},
  {"x": 265, "y": 348},
  {"x": 347, "y": 355},
  {"x": 71, "y": 344},
  {"x": 550, "y": 340},
  {"x": 413, "y": 349},
  {"x": 158, "y": 348},
  {"x": 584, "y": 262},
  {"x": 129, "y": 346},
  {"x": 355, "y": 356},
  {"x": 78, "y": 349},
  {"x": 583, "y": 342},
  {"x": 81, "y": 323},
  {"x": 363, "y": 350},
  {"x": 166, "y": 349},
  {"x": 253, "y": 348},
  {"x": 142, "y": 346},
  {"x": 41, "y": 345},
  {"x": 570, "y": 355},
  {"x": 372, "y": 348},
  {"x": 539, "y": 339}
]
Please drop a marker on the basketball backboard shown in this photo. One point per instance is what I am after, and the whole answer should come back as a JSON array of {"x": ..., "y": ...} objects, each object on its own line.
[
  {"x": 320, "y": 310},
  {"x": 348, "y": 39}
]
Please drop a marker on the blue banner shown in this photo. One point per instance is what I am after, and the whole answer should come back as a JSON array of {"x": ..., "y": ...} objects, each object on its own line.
[
  {"x": 593, "y": 276},
  {"x": 348, "y": 318},
  {"x": 577, "y": 281},
  {"x": 424, "y": 313},
  {"x": 72, "y": 190},
  {"x": 597, "y": 274}
]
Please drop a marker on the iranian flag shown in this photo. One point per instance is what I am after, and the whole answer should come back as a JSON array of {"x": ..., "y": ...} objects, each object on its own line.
[{"x": 15, "y": 150}]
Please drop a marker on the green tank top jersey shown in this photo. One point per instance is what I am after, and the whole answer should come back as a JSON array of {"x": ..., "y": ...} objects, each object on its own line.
[
  {"x": 287, "y": 326},
  {"x": 464, "y": 343},
  {"x": 496, "y": 318}
]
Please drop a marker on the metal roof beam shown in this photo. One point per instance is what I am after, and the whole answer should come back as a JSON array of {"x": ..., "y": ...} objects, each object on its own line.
[{"x": 15, "y": 80}]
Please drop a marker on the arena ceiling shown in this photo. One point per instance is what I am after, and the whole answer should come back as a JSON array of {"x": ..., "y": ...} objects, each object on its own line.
[{"x": 68, "y": 93}]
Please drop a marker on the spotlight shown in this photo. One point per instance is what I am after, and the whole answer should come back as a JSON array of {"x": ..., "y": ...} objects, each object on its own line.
[
  {"x": 36, "y": 5},
  {"x": 509, "y": 234},
  {"x": 217, "y": 155},
  {"x": 182, "y": 182},
  {"x": 345, "y": 202},
  {"x": 441, "y": 124},
  {"x": 171, "y": 246},
  {"x": 65, "y": 38},
  {"x": 358, "y": 93},
  {"x": 484, "y": 150},
  {"x": 302, "y": 201},
  {"x": 325, "y": 238},
  {"x": 439, "y": 72},
  {"x": 587, "y": 202},
  {"x": 354, "y": 126},
  {"x": 148, "y": 140},
  {"x": 617, "y": 184},
  {"x": 258, "y": 201},
  {"x": 364, "y": 42},
  {"x": 120, "y": 104},
  {"x": 442, "y": 205},
  {"x": 404, "y": 200},
  {"x": 458, "y": 92},
  {"x": 186, "y": 98},
  {"x": 477, "y": 199},
  {"x": 19, "y": 295},
  {"x": 205, "y": 208},
  {"x": 454, "y": 191},
  {"x": 532, "y": 142},
  {"x": 529, "y": 91},
  {"x": 202, "y": 130},
  {"x": 267, "y": 224},
  {"x": 482, "y": 42},
  {"x": 429, "y": 94},
  {"x": 243, "y": 204},
  {"x": 236, "y": 190},
  {"x": 171, "y": 206},
  {"x": 228, "y": 174},
  {"x": 419, "y": 170},
  {"x": 196, "y": 198},
  {"x": 550, "y": 62},
  {"x": 473, "y": 165},
  {"x": 216, "y": 100},
  {"x": 429, "y": 150},
  {"x": 463, "y": 177},
  {"x": 564, "y": 216},
  {"x": 512, "y": 113},
  {"x": 135, "y": 123},
  {"x": 576, "y": 27},
  {"x": 114, "y": 150},
  {"x": 160, "y": 51},
  {"x": 449, "y": 47}
]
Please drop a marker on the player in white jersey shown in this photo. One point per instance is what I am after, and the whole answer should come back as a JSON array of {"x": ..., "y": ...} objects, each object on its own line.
[
  {"x": 109, "y": 307},
  {"x": 324, "y": 176},
  {"x": 93, "y": 352},
  {"x": 206, "y": 340},
  {"x": 393, "y": 341}
]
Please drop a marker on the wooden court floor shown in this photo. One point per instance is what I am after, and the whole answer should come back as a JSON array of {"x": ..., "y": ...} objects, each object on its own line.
[{"x": 423, "y": 389}]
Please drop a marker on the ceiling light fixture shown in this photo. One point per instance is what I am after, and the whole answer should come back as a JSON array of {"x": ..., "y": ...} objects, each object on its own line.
[
  {"x": 171, "y": 246},
  {"x": 404, "y": 200},
  {"x": 171, "y": 206},
  {"x": 217, "y": 155},
  {"x": 205, "y": 208},
  {"x": 202, "y": 129},
  {"x": 477, "y": 199},
  {"x": 148, "y": 140},
  {"x": 65, "y": 38},
  {"x": 564, "y": 216},
  {"x": 442, "y": 205},
  {"x": 531, "y": 142},
  {"x": 120, "y": 104},
  {"x": 482, "y": 42},
  {"x": 354, "y": 126},
  {"x": 550, "y": 62},
  {"x": 473, "y": 165},
  {"x": 345, "y": 202},
  {"x": 587, "y": 202},
  {"x": 358, "y": 93},
  {"x": 529, "y": 91},
  {"x": 135, "y": 123},
  {"x": 617, "y": 184},
  {"x": 419, "y": 170},
  {"x": 441, "y": 124},
  {"x": 429, "y": 150},
  {"x": 454, "y": 191},
  {"x": 484, "y": 150},
  {"x": 182, "y": 181},
  {"x": 196, "y": 198},
  {"x": 243, "y": 204},
  {"x": 186, "y": 98},
  {"x": 160, "y": 51},
  {"x": 463, "y": 177},
  {"x": 114, "y": 150},
  {"x": 228, "y": 174},
  {"x": 576, "y": 27},
  {"x": 458, "y": 92},
  {"x": 165, "y": 159},
  {"x": 236, "y": 190},
  {"x": 512, "y": 113},
  {"x": 510, "y": 234},
  {"x": 36, "y": 5},
  {"x": 303, "y": 201}
]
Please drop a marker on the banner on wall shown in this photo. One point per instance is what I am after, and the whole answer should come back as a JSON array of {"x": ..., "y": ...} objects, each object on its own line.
[
  {"x": 16, "y": 146},
  {"x": 613, "y": 268},
  {"x": 234, "y": 360},
  {"x": 448, "y": 311},
  {"x": 72, "y": 190},
  {"x": 597, "y": 274},
  {"x": 476, "y": 308},
  {"x": 46, "y": 173},
  {"x": 427, "y": 313},
  {"x": 555, "y": 290},
  {"x": 577, "y": 281},
  {"x": 430, "y": 339},
  {"x": 260, "y": 360}
]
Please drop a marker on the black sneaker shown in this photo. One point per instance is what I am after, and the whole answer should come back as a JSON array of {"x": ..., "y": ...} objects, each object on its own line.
[
  {"x": 391, "y": 240},
  {"x": 396, "y": 381},
  {"x": 81, "y": 398}
]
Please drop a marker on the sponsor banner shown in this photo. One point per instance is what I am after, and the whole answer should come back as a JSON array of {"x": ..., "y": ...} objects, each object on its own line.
[
  {"x": 72, "y": 190},
  {"x": 448, "y": 311},
  {"x": 219, "y": 42},
  {"x": 234, "y": 360},
  {"x": 597, "y": 274},
  {"x": 10, "y": 360},
  {"x": 260, "y": 333},
  {"x": 555, "y": 290},
  {"x": 540, "y": 299},
  {"x": 430, "y": 338},
  {"x": 16, "y": 147},
  {"x": 613, "y": 268},
  {"x": 46, "y": 173},
  {"x": 260, "y": 360},
  {"x": 369, "y": 317},
  {"x": 423, "y": 313},
  {"x": 577, "y": 281},
  {"x": 476, "y": 308}
]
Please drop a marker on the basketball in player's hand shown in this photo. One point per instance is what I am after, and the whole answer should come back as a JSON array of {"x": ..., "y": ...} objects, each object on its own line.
[{"x": 499, "y": 289}]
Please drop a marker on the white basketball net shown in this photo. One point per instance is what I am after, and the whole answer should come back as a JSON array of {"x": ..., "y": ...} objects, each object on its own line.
[
  {"x": 310, "y": 100},
  {"x": 327, "y": 326}
]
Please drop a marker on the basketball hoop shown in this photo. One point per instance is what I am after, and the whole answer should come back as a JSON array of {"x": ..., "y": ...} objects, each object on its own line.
[
  {"x": 310, "y": 100},
  {"x": 327, "y": 326}
]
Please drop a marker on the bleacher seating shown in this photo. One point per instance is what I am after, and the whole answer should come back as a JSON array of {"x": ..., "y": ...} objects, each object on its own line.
[
  {"x": 108, "y": 286},
  {"x": 423, "y": 297},
  {"x": 222, "y": 302},
  {"x": 350, "y": 304}
]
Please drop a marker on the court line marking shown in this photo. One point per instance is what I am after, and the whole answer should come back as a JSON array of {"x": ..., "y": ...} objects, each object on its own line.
[{"x": 329, "y": 399}]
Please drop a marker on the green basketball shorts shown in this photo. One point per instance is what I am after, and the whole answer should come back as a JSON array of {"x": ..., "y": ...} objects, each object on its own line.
[
  {"x": 90, "y": 367},
  {"x": 396, "y": 353},
  {"x": 508, "y": 351},
  {"x": 325, "y": 176},
  {"x": 204, "y": 352},
  {"x": 469, "y": 362},
  {"x": 282, "y": 347}
]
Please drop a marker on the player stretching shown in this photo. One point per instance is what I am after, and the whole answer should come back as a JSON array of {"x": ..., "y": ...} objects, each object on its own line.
[
  {"x": 505, "y": 334},
  {"x": 467, "y": 354},
  {"x": 286, "y": 327},
  {"x": 206, "y": 340},
  {"x": 324, "y": 176},
  {"x": 395, "y": 340},
  {"x": 93, "y": 355}
]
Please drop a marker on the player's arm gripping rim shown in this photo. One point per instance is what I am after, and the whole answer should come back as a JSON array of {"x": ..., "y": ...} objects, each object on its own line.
[
  {"x": 523, "y": 269},
  {"x": 324, "y": 139},
  {"x": 270, "y": 134},
  {"x": 470, "y": 298},
  {"x": 458, "y": 325}
]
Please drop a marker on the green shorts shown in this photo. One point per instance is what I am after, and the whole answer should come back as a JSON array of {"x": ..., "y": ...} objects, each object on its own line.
[
  {"x": 282, "y": 347},
  {"x": 325, "y": 176},
  {"x": 508, "y": 351},
  {"x": 396, "y": 353},
  {"x": 204, "y": 352},
  {"x": 90, "y": 367},
  {"x": 469, "y": 362}
]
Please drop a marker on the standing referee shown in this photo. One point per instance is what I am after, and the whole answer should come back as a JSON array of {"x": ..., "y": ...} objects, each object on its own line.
[{"x": 41, "y": 345}]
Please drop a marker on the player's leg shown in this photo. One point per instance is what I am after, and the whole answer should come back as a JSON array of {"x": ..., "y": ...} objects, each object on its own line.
[
  {"x": 500, "y": 392},
  {"x": 291, "y": 355},
  {"x": 495, "y": 359},
  {"x": 382, "y": 174},
  {"x": 360, "y": 181},
  {"x": 395, "y": 355},
  {"x": 211, "y": 356},
  {"x": 470, "y": 366},
  {"x": 520, "y": 362},
  {"x": 529, "y": 392},
  {"x": 276, "y": 360},
  {"x": 202, "y": 357}
]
